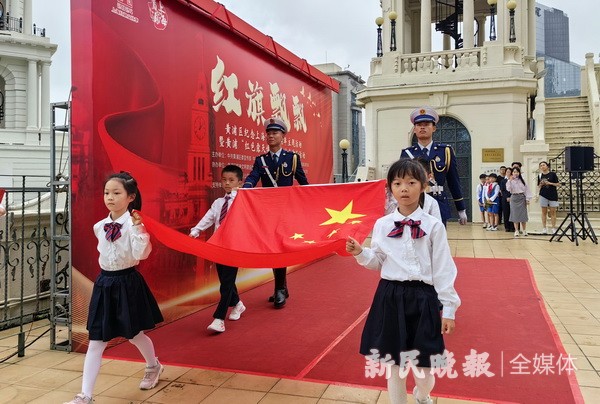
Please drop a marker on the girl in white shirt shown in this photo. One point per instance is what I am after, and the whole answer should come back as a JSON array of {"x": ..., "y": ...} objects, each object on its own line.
[
  {"x": 122, "y": 305},
  {"x": 520, "y": 195},
  {"x": 410, "y": 249}
]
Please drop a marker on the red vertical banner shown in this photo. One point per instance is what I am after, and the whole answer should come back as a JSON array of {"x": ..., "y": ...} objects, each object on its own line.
[{"x": 168, "y": 93}]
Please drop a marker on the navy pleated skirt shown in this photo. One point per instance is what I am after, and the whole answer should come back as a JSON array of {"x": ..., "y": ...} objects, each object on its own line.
[
  {"x": 122, "y": 305},
  {"x": 404, "y": 316}
]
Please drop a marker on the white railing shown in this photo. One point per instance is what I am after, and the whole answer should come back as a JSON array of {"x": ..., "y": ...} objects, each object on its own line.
[{"x": 439, "y": 61}]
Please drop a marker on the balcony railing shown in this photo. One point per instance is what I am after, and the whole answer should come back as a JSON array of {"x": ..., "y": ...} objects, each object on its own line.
[
  {"x": 9, "y": 23},
  {"x": 446, "y": 60},
  {"x": 39, "y": 31}
]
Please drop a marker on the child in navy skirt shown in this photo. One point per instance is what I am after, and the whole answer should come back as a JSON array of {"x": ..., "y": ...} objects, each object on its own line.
[
  {"x": 411, "y": 250},
  {"x": 122, "y": 305}
]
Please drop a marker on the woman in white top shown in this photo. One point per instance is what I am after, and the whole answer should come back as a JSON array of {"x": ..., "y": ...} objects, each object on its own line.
[{"x": 520, "y": 195}]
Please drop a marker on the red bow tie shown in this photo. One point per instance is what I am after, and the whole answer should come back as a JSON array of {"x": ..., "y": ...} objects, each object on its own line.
[
  {"x": 415, "y": 230},
  {"x": 113, "y": 231}
]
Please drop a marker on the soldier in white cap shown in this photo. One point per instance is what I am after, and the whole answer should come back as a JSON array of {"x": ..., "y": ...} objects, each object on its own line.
[
  {"x": 277, "y": 168},
  {"x": 442, "y": 160}
]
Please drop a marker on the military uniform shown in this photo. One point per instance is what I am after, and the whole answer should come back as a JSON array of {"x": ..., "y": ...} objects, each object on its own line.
[
  {"x": 277, "y": 173},
  {"x": 445, "y": 174},
  {"x": 283, "y": 172}
]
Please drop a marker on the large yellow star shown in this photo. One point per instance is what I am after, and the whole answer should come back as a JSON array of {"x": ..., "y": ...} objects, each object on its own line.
[{"x": 341, "y": 216}]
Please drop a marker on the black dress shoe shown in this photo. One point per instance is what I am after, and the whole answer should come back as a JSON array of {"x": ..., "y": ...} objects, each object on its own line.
[
  {"x": 279, "y": 300},
  {"x": 272, "y": 298}
]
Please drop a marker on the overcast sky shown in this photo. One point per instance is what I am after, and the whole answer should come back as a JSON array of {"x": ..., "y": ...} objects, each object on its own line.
[{"x": 320, "y": 31}]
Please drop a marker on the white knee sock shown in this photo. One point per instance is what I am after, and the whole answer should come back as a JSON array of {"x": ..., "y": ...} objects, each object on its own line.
[
  {"x": 424, "y": 384},
  {"x": 144, "y": 344},
  {"x": 91, "y": 366},
  {"x": 397, "y": 387}
]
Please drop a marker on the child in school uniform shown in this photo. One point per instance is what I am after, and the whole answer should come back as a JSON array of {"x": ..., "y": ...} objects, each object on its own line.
[
  {"x": 410, "y": 249},
  {"x": 492, "y": 202},
  {"x": 122, "y": 304},
  {"x": 481, "y": 190},
  {"x": 231, "y": 180}
]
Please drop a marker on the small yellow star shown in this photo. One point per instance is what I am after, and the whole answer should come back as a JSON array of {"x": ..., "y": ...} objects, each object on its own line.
[
  {"x": 356, "y": 222},
  {"x": 341, "y": 216},
  {"x": 296, "y": 236},
  {"x": 332, "y": 233},
  {"x": 309, "y": 241}
]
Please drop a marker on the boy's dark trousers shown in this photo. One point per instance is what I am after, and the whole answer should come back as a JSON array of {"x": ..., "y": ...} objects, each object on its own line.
[{"x": 229, "y": 293}]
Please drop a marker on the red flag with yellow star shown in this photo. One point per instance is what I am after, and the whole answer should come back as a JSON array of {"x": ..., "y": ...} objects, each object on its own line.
[{"x": 277, "y": 227}]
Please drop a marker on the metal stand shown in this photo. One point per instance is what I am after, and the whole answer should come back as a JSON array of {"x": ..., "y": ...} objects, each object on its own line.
[
  {"x": 60, "y": 247},
  {"x": 576, "y": 217}
]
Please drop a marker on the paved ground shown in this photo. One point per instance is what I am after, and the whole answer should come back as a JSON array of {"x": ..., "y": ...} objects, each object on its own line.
[{"x": 567, "y": 275}]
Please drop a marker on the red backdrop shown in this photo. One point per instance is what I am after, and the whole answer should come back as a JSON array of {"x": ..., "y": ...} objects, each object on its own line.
[{"x": 169, "y": 94}]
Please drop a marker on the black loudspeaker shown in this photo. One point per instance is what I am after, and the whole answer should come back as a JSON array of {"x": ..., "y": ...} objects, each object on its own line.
[{"x": 579, "y": 158}]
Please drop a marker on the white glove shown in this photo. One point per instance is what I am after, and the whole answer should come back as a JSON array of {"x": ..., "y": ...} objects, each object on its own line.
[
  {"x": 462, "y": 217},
  {"x": 194, "y": 233}
]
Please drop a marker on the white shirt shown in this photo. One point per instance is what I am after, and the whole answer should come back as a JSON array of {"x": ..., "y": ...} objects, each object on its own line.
[
  {"x": 426, "y": 259},
  {"x": 481, "y": 190},
  {"x": 515, "y": 186},
  {"x": 212, "y": 216},
  {"x": 125, "y": 252},
  {"x": 428, "y": 146},
  {"x": 495, "y": 192}
]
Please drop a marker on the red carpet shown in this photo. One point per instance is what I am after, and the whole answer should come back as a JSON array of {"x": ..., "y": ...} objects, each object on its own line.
[{"x": 316, "y": 336}]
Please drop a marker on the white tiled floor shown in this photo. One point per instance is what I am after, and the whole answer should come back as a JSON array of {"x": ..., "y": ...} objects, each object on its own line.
[{"x": 568, "y": 276}]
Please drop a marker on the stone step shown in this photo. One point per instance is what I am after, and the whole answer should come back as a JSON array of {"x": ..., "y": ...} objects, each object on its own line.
[
  {"x": 564, "y": 100},
  {"x": 566, "y": 110},
  {"x": 577, "y": 125},
  {"x": 551, "y": 104},
  {"x": 567, "y": 123},
  {"x": 557, "y": 119},
  {"x": 569, "y": 136}
]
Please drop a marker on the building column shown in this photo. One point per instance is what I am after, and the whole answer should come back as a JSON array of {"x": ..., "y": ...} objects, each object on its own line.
[
  {"x": 45, "y": 97},
  {"x": 32, "y": 95},
  {"x": 531, "y": 36},
  {"x": 446, "y": 42},
  {"x": 468, "y": 22},
  {"x": 400, "y": 25},
  {"x": 481, "y": 33},
  {"x": 27, "y": 17},
  {"x": 501, "y": 22},
  {"x": 425, "y": 26}
]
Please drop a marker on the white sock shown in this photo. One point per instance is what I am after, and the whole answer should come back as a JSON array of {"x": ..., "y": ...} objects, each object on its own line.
[
  {"x": 144, "y": 344},
  {"x": 397, "y": 387},
  {"x": 424, "y": 384},
  {"x": 91, "y": 366}
]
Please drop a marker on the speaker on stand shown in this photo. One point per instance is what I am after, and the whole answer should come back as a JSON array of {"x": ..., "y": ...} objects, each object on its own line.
[{"x": 578, "y": 160}]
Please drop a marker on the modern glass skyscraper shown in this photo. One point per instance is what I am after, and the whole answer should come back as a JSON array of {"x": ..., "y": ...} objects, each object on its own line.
[{"x": 552, "y": 43}]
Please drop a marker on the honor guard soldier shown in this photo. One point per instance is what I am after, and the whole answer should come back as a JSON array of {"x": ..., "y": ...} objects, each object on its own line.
[
  {"x": 277, "y": 168},
  {"x": 442, "y": 160}
]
